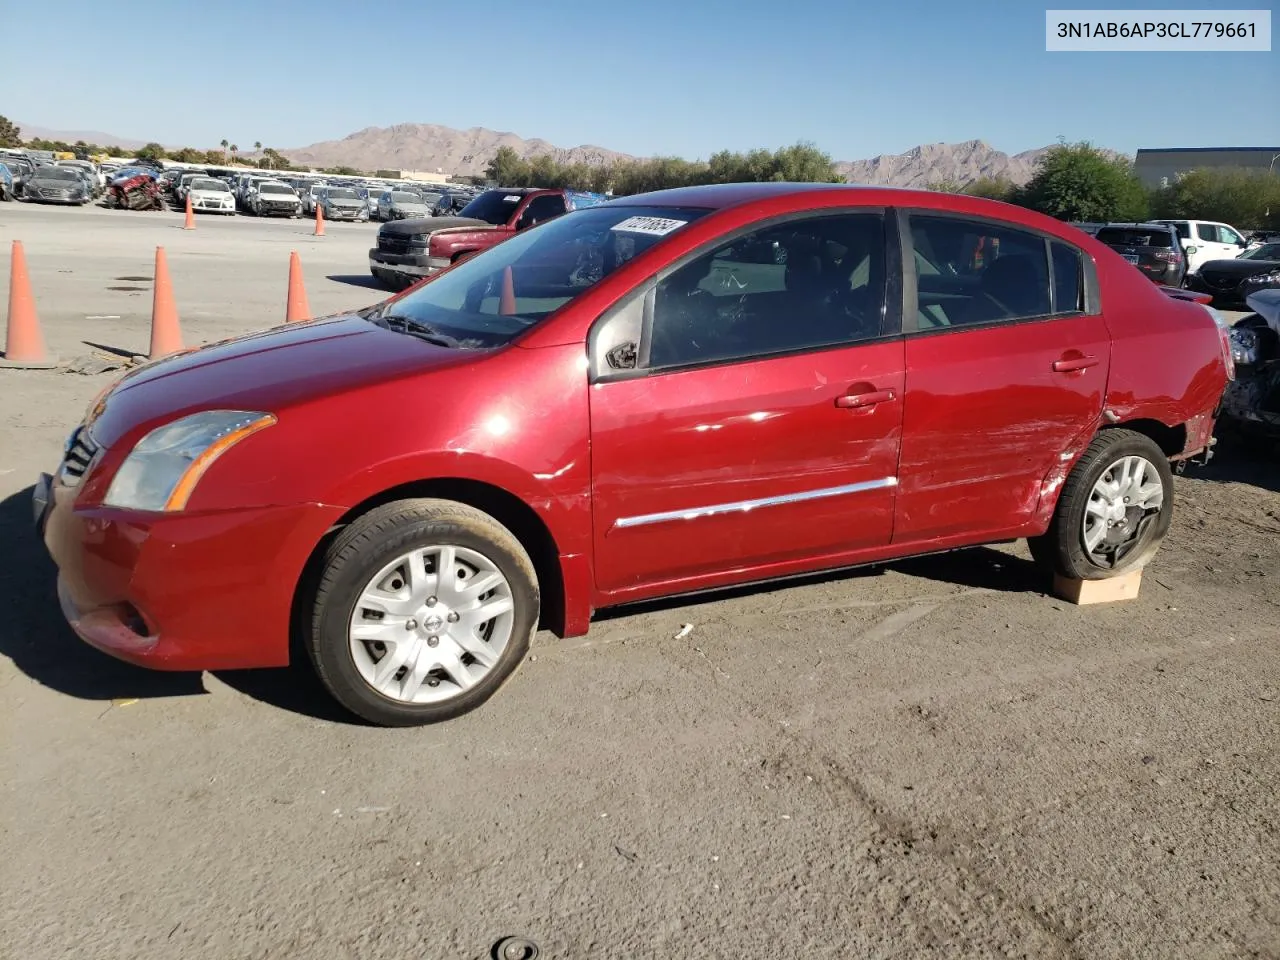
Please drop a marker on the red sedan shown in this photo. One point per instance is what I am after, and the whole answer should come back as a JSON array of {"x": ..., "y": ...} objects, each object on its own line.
[{"x": 666, "y": 393}]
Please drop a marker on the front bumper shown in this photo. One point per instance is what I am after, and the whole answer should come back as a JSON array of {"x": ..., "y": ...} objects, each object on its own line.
[
  {"x": 202, "y": 591},
  {"x": 404, "y": 267}
]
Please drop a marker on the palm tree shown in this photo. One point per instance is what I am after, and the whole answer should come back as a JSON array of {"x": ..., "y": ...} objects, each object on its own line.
[
  {"x": 234, "y": 151},
  {"x": 257, "y": 148},
  {"x": 225, "y": 144}
]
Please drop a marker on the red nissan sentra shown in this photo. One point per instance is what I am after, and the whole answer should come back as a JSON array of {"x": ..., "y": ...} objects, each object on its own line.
[{"x": 666, "y": 393}]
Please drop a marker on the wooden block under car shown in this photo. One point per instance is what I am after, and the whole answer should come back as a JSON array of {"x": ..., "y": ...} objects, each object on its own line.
[{"x": 1084, "y": 592}]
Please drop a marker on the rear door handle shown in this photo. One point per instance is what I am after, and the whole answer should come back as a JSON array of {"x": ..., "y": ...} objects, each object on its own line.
[
  {"x": 1074, "y": 364},
  {"x": 851, "y": 400}
]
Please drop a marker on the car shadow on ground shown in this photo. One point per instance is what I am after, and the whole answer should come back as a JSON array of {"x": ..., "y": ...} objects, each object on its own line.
[
  {"x": 1243, "y": 460},
  {"x": 978, "y": 568},
  {"x": 358, "y": 280},
  {"x": 35, "y": 637}
]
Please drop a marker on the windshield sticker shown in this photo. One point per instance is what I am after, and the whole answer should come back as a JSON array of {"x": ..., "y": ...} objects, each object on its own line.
[
  {"x": 653, "y": 226},
  {"x": 511, "y": 198}
]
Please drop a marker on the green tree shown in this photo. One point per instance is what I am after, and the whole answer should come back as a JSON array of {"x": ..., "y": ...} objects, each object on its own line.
[
  {"x": 992, "y": 188},
  {"x": 152, "y": 151},
  {"x": 508, "y": 168},
  {"x": 1079, "y": 182},
  {"x": 10, "y": 133},
  {"x": 1244, "y": 198}
]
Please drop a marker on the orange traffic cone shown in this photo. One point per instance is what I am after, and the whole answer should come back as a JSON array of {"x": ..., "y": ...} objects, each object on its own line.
[
  {"x": 319, "y": 221},
  {"x": 507, "y": 304},
  {"x": 191, "y": 216},
  {"x": 166, "y": 334},
  {"x": 23, "y": 344},
  {"x": 296, "y": 309}
]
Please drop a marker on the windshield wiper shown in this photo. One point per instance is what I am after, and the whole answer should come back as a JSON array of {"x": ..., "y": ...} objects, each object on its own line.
[{"x": 415, "y": 328}]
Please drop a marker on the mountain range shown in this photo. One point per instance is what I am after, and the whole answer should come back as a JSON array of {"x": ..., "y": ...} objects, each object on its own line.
[{"x": 430, "y": 147}]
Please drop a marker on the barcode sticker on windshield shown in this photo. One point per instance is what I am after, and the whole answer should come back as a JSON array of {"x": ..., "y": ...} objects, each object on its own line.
[{"x": 653, "y": 226}]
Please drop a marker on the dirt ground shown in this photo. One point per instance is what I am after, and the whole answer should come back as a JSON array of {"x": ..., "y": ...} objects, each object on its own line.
[{"x": 931, "y": 758}]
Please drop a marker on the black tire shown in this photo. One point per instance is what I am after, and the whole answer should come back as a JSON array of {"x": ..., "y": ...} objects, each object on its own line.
[
  {"x": 1061, "y": 548},
  {"x": 373, "y": 541}
]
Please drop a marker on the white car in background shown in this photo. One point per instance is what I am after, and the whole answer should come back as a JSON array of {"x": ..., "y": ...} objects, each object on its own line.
[
  {"x": 212, "y": 195},
  {"x": 1205, "y": 240}
]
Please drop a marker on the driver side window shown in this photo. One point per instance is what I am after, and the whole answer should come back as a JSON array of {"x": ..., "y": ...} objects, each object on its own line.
[{"x": 801, "y": 285}]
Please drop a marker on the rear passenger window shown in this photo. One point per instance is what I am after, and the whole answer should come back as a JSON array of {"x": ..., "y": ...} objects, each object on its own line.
[
  {"x": 969, "y": 272},
  {"x": 1068, "y": 291}
]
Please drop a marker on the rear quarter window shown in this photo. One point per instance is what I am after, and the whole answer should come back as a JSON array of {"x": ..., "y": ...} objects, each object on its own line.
[{"x": 1125, "y": 237}]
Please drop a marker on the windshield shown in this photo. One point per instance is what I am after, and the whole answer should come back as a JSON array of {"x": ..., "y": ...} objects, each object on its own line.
[
  {"x": 57, "y": 173},
  {"x": 405, "y": 196},
  {"x": 1131, "y": 237},
  {"x": 208, "y": 183},
  {"x": 274, "y": 188},
  {"x": 551, "y": 265},
  {"x": 1268, "y": 251},
  {"x": 492, "y": 206},
  {"x": 342, "y": 193}
]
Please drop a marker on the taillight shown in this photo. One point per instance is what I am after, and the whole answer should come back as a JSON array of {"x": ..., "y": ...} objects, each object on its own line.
[
  {"x": 1224, "y": 340},
  {"x": 1168, "y": 256}
]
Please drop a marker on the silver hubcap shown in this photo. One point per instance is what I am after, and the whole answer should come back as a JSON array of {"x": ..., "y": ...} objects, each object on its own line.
[
  {"x": 431, "y": 624},
  {"x": 1126, "y": 494}
]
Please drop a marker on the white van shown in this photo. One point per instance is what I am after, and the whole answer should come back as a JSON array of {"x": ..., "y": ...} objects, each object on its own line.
[{"x": 1205, "y": 240}]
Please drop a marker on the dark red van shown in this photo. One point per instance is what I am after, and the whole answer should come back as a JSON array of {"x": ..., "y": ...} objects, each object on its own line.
[{"x": 665, "y": 393}]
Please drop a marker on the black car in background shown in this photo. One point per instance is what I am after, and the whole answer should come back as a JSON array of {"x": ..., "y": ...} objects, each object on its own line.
[
  {"x": 1151, "y": 247},
  {"x": 1231, "y": 281}
]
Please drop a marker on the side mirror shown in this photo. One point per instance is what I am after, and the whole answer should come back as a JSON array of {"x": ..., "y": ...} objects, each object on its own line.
[{"x": 1191, "y": 250}]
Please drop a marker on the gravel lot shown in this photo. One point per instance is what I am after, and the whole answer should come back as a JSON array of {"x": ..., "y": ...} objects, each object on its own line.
[{"x": 930, "y": 758}]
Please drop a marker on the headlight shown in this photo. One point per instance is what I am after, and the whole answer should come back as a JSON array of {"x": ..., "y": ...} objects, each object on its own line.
[
  {"x": 1272, "y": 277},
  {"x": 161, "y": 472}
]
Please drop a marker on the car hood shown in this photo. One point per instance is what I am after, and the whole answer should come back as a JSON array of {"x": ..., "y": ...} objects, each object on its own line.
[
  {"x": 46, "y": 183},
  {"x": 267, "y": 371},
  {"x": 344, "y": 202},
  {"x": 420, "y": 225},
  {"x": 1238, "y": 268},
  {"x": 205, "y": 192}
]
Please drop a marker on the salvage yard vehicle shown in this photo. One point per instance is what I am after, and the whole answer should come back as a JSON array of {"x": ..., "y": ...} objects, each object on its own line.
[
  {"x": 137, "y": 192},
  {"x": 1232, "y": 281},
  {"x": 401, "y": 205},
  {"x": 342, "y": 203},
  {"x": 272, "y": 198},
  {"x": 409, "y": 250},
  {"x": 1205, "y": 240},
  {"x": 58, "y": 185},
  {"x": 1151, "y": 247},
  {"x": 1251, "y": 405},
  {"x": 672, "y": 392},
  {"x": 209, "y": 194}
]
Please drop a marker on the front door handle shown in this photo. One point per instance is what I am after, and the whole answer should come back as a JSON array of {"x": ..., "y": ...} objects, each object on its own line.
[
  {"x": 1074, "y": 364},
  {"x": 852, "y": 400}
]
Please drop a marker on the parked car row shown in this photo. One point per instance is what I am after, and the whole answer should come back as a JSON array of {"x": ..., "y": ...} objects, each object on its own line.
[
  {"x": 1200, "y": 255},
  {"x": 38, "y": 179}
]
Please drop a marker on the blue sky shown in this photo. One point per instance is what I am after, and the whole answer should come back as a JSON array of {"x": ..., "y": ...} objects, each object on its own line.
[{"x": 652, "y": 77}]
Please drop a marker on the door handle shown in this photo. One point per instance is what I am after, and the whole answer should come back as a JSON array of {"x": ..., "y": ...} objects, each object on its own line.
[
  {"x": 853, "y": 400},
  {"x": 1074, "y": 364}
]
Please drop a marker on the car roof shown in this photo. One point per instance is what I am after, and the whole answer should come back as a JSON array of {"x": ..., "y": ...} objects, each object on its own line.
[
  {"x": 720, "y": 196},
  {"x": 1139, "y": 226}
]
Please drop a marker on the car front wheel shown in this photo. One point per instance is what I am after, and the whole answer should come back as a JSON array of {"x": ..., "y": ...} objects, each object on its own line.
[
  {"x": 423, "y": 610},
  {"x": 1114, "y": 511}
]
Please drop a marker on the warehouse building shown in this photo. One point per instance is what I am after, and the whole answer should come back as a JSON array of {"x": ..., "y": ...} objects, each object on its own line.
[{"x": 1158, "y": 168}]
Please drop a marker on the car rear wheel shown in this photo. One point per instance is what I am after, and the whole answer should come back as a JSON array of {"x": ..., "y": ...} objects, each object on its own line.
[
  {"x": 1114, "y": 511},
  {"x": 423, "y": 610}
]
